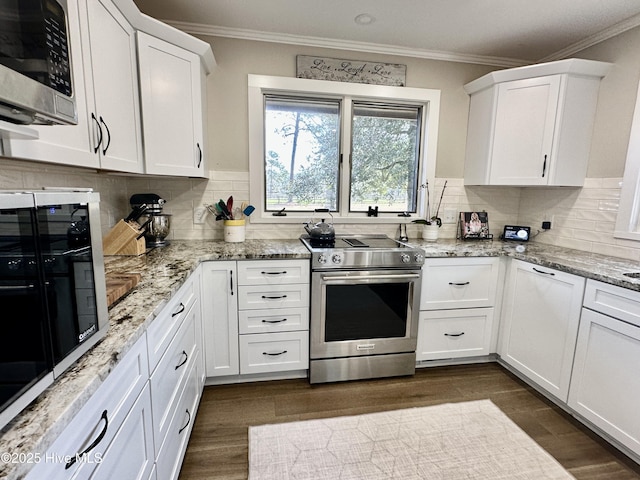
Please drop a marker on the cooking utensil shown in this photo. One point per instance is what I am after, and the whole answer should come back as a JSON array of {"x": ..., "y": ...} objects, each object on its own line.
[
  {"x": 230, "y": 205},
  {"x": 248, "y": 210},
  {"x": 224, "y": 210}
]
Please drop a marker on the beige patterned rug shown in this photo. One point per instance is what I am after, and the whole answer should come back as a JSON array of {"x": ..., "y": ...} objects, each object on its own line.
[{"x": 470, "y": 440}]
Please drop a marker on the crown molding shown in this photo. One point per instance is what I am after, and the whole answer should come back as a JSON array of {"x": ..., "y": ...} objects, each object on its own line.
[
  {"x": 606, "y": 34},
  {"x": 243, "y": 34}
]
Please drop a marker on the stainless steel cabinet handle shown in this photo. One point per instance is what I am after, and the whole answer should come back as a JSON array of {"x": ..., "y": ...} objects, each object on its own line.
[
  {"x": 459, "y": 284},
  {"x": 267, "y": 297},
  {"x": 454, "y": 334},
  {"x": 544, "y": 273},
  {"x": 17, "y": 287},
  {"x": 186, "y": 358},
  {"x": 180, "y": 310},
  {"x": 93, "y": 445},
  {"x": 187, "y": 424},
  {"x": 274, "y": 321},
  {"x": 274, "y": 354}
]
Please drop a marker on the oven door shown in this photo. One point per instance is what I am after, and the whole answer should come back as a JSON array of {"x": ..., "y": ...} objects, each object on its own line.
[{"x": 364, "y": 312}]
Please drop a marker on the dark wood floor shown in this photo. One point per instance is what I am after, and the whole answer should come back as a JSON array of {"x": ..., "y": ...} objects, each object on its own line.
[{"x": 218, "y": 444}]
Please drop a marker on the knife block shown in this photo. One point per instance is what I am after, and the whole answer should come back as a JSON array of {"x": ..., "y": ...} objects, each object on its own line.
[{"x": 123, "y": 239}]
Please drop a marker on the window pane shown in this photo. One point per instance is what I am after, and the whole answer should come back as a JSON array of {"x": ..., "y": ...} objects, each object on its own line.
[
  {"x": 302, "y": 138},
  {"x": 384, "y": 157}
]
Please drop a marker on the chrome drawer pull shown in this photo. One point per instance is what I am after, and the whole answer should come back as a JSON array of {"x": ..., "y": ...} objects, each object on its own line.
[
  {"x": 267, "y": 297},
  {"x": 187, "y": 424},
  {"x": 274, "y": 273},
  {"x": 274, "y": 354},
  {"x": 274, "y": 321},
  {"x": 93, "y": 445},
  {"x": 544, "y": 273},
  {"x": 186, "y": 358},
  {"x": 454, "y": 334},
  {"x": 459, "y": 284},
  {"x": 180, "y": 310}
]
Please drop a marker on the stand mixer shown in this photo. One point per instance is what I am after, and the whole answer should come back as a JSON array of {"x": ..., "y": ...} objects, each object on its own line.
[{"x": 155, "y": 223}]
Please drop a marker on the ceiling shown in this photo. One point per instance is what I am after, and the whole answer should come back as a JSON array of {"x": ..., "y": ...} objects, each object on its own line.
[{"x": 495, "y": 32}]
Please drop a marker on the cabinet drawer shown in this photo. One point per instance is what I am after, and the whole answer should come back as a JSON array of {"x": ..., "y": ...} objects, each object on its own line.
[
  {"x": 274, "y": 352},
  {"x": 454, "y": 333},
  {"x": 105, "y": 412},
  {"x": 131, "y": 454},
  {"x": 169, "y": 460},
  {"x": 273, "y": 272},
  {"x": 273, "y": 296},
  {"x": 164, "y": 327},
  {"x": 273, "y": 320},
  {"x": 169, "y": 375},
  {"x": 459, "y": 283},
  {"x": 611, "y": 300}
]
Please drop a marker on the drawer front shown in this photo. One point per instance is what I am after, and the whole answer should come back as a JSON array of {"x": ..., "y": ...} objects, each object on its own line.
[
  {"x": 115, "y": 396},
  {"x": 169, "y": 460},
  {"x": 454, "y": 333},
  {"x": 273, "y": 296},
  {"x": 168, "y": 378},
  {"x": 274, "y": 352},
  {"x": 459, "y": 283},
  {"x": 273, "y": 320},
  {"x": 163, "y": 328},
  {"x": 614, "y": 301},
  {"x": 273, "y": 272},
  {"x": 131, "y": 454}
]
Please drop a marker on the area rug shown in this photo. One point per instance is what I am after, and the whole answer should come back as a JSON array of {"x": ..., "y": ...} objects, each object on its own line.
[{"x": 469, "y": 440}]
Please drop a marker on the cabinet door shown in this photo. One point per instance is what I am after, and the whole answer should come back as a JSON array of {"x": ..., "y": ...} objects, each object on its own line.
[
  {"x": 220, "y": 318},
  {"x": 540, "y": 324},
  {"x": 171, "y": 98},
  {"x": 524, "y": 130},
  {"x": 605, "y": 385},
  {"x": 65, "y": 144},
  {"x": 116, "y": 119}
]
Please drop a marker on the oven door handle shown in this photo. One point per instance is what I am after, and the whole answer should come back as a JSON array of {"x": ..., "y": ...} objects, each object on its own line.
[{"x": 399, "y": 276}]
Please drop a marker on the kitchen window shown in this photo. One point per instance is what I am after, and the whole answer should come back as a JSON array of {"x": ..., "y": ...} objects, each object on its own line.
[{"x": 339, "y": 146}]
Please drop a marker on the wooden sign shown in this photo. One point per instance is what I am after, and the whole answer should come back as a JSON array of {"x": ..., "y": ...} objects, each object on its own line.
[{"x": 355, "y": 71}]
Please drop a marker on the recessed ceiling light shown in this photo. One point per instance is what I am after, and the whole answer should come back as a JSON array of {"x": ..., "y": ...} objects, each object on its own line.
[{"x": 364, "y": 19}]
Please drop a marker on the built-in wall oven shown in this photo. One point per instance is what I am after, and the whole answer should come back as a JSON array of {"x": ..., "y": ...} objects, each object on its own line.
[
  {"x": 365, "y": 298},
  {"x": 52, "y": 289}
]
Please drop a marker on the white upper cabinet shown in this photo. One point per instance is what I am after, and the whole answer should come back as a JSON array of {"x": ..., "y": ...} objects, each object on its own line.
[
  {"x": 110, "y": 53},
  {"x": 172, "y": 99},
  {"x": 532, "y": 125}
]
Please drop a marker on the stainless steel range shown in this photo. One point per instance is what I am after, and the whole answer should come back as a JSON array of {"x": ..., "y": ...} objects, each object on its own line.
[{"x": 365, "y": 297}]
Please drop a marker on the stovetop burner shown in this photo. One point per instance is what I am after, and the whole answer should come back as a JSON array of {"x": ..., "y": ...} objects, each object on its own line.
[{"x": 362, "y": 251}]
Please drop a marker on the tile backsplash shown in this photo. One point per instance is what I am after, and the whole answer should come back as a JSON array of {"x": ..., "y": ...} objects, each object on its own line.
[{"x": 582, "y": 218}]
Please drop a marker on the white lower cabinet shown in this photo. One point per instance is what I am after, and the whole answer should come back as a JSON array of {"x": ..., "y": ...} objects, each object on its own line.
[
  {"x": 94, "y": 432},
  {"x": 457, "y": 308},
  {"x": 605, "y": 385},
  {"x": 255, "y": 316},
  {"x": 540, "y": 324}
]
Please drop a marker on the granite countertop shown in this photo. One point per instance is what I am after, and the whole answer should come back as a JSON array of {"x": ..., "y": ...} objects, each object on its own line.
[{"x": 164, "y": 270}]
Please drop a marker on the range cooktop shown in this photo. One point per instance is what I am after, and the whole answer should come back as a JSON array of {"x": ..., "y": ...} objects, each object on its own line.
[{"x": 362, "y": 251}]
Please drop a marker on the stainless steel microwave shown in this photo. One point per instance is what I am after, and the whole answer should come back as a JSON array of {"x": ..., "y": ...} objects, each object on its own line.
[
  {"x": 36, "y": 84},
  {"x": 52, "y": 289}
]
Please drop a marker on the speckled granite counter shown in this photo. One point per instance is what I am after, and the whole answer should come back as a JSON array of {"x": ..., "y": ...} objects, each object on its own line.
[{"x": 164, "y": 270}]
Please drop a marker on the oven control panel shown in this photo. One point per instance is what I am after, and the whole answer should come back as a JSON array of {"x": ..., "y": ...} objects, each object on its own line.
[{"x": 368, "y": 259}]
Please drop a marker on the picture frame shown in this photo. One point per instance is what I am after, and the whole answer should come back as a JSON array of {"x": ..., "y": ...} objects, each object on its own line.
[{"x": 474, "y": 226}]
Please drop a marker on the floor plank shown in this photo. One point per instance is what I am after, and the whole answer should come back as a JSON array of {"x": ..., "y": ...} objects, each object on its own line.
[{"x": 218, "y": 448}]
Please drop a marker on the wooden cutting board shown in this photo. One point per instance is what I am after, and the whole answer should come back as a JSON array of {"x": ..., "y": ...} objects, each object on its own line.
[{"x": 119, "y": 285}]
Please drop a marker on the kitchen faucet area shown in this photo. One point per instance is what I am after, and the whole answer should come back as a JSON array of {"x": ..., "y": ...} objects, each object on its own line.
[{"x": 313, "y": 240}]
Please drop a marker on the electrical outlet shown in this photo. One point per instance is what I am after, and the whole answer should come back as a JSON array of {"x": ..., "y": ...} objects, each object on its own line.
[
  {"x": 450, "y": 215},
  {"x": 199, "y": 214}
]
